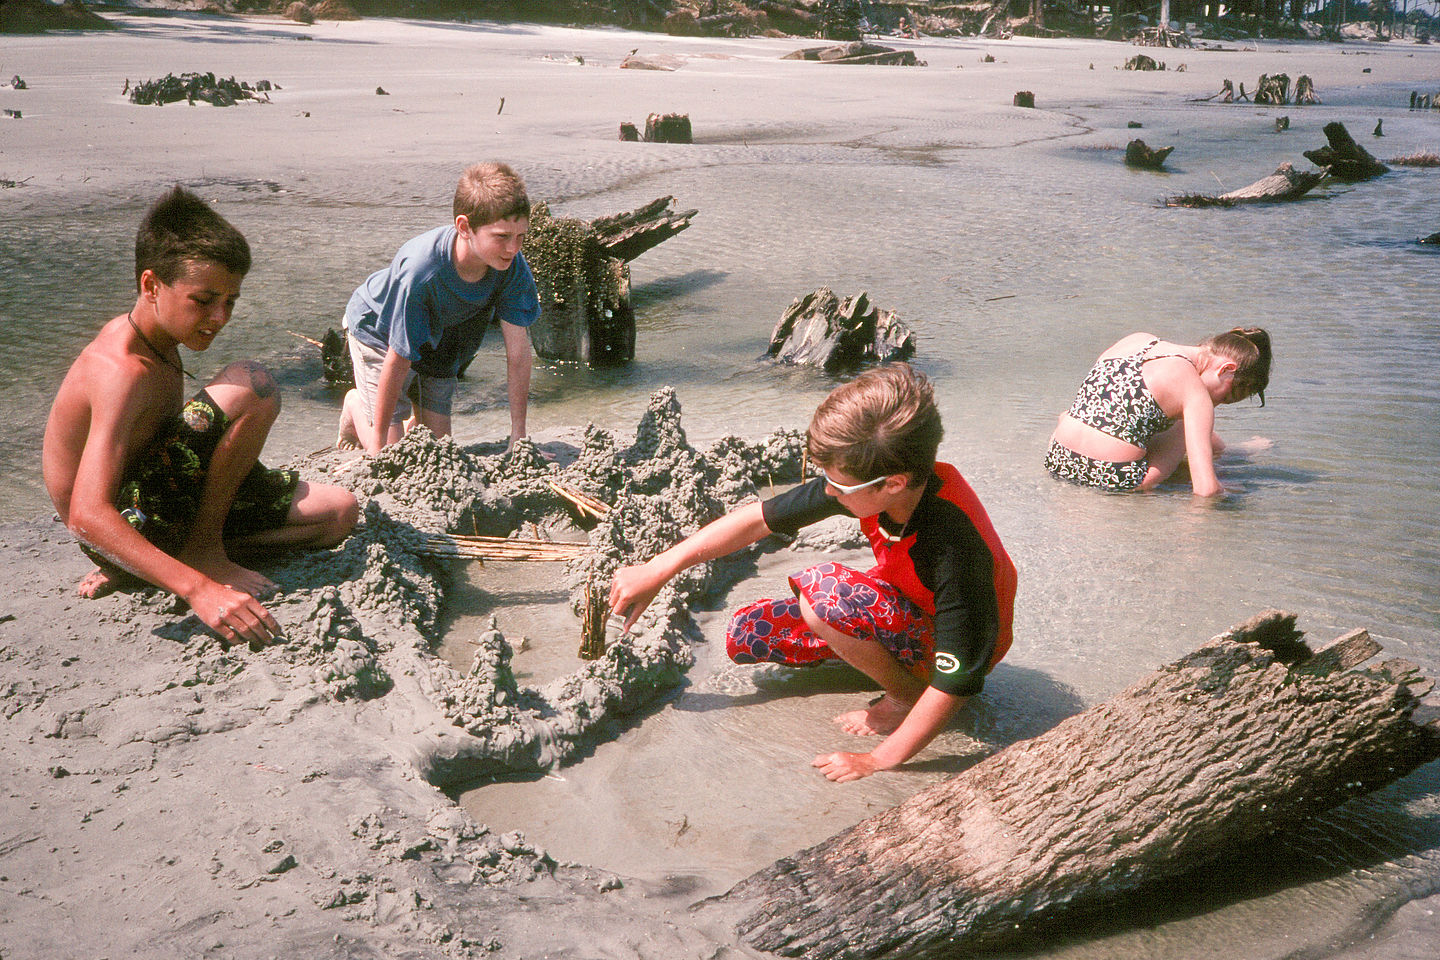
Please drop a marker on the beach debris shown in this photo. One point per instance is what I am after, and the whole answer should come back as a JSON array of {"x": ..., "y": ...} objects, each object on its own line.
[
  {"x": 381, "y": 92},
  {"x": 1421, "y": 158},
  {"x": 500, "y": 109},
  {"x": 1181, "y": 769},
  {"x": 1161, "y": 36},
  {"x": 819, "y": 329},
  {"x": 585, "y": 505},
  {"x": 1305, "y": 95},
  {"x": 1142, "y": 62},
  {"x": 592, "y": 623},
  {"x": 668, "y": 128},
  {"x": 659, "y": 61},
  {"x": 1023, "y": 98},
  {"x": 1424, "y": 101},
  {"x": 1282, "y": 124},
  {"x": 1379, "y": 128},
  {"x": 17, "y": 84},
  {"x": 221, "y": 92},
  {"x": 8, "y": 184},
  {"x": 14, "y": 114},
  {"x": 629, "y": 133},
  {"x": 335, "y": 361},
  {"x": 1134, "y": 125},
  {"x": 300, "y": 12},
  {"x": 1284, "y": 184},
  {"x": 857, "y": 52},
  {"x": 1345, "y": 158},
  {"x": 1433, "y": 239},
  {"x": 1273, "y": 89},
  {"x": 499, "y": 548},
  {"x": 1142, "y": 156}
]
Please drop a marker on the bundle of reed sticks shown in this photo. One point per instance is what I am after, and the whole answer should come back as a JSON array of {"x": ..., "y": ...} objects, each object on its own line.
[
  {"x": 500, "y": 548},
  {"x": 584, "y": 504}
]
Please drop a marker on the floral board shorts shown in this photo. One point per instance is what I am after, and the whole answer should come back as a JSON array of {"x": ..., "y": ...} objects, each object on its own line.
[
  {"x": 161, "y": 494},
  {"x": 855, "y": 603},
  {"x": 1121, "y": 477}
]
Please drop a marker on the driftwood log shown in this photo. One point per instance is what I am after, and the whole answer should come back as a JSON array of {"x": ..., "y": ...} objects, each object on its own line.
[
  {"x": 1249, "y": 735},
  {"x": 1145, "y": 157},
  {"x": 1286, "y": 183},
  {"x": 1345, "y": 158},
  {"x": 819, "y": 329},
  {"x": 856, "y": 52}
]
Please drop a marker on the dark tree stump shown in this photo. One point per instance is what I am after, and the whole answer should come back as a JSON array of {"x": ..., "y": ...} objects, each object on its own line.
[
  {"x": 1305, "y": 95},
  {"x": 1345, "y": 158},
  {"x": 821, "y": 330},
  {"x": 629, "y": 133},
  {"x": 1244, "y": 737},
  {"x": 1024, "y": 98},
  {"x": 668, "y": 128},
  {"x": 1139, "y": 154}
]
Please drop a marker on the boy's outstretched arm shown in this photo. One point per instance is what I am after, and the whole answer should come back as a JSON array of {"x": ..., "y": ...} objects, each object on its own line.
[
  {"x": 519, "y": 359},
  {"x": 926, "y": 719},
  {"x": 634, "y": 587}
]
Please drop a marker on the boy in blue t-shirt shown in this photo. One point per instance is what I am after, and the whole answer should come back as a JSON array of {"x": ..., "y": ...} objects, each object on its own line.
[{"x": 413, "y": 326}]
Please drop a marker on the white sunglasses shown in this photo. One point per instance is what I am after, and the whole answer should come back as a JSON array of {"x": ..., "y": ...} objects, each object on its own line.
[{"x": 849, "y": 488}]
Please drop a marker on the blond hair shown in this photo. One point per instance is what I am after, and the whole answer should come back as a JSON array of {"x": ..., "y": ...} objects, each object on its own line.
[
  {"x": 883, "y": 422},
  {"x": 488, "y": 192}
]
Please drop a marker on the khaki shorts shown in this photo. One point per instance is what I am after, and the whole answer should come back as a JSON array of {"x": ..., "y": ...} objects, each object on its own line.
[{"x": 435, "y": 394}]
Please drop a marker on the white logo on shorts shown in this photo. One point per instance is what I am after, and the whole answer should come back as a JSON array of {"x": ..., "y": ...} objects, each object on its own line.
[{"x": 946, "y": 662}]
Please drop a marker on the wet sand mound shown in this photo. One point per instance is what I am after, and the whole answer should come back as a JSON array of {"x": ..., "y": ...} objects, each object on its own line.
[{"x": 307, "y": 771}]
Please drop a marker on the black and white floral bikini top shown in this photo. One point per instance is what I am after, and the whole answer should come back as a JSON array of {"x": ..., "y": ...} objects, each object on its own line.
[{"x": 1114, "y": 399}]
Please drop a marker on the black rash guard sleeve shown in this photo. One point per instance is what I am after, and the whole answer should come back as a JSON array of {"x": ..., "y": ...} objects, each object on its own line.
[{"x": 799, "y": 507}]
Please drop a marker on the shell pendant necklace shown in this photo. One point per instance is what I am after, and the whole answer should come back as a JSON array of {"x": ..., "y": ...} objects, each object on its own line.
[{"x": 177, "y": 367}]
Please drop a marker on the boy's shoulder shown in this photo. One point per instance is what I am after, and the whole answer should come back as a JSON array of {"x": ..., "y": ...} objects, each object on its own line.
[{"x": 106, "y": 366}]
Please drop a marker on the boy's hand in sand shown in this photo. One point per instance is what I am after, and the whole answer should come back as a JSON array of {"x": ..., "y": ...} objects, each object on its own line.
[
  {"x": 234, "y": 615},
  {"x": 632, "y": 590},
  {"x": 844, "y": 767}
]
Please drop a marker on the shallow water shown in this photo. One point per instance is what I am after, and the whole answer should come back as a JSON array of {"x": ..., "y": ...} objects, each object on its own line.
[{"x": 1018, "y": 247}]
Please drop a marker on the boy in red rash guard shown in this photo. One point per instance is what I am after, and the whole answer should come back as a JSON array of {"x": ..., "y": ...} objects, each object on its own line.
[{"x": 927, "y": 623}]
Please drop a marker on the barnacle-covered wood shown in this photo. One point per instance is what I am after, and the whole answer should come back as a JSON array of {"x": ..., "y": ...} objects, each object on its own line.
[{"x": 1235, "y": 741}]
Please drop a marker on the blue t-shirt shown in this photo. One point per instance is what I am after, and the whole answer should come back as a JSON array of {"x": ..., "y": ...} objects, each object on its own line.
[{"x": 421, "y": 308}]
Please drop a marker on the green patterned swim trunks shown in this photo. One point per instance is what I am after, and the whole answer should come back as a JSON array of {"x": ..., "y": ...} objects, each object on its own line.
[{"x": 160, "y": 496}]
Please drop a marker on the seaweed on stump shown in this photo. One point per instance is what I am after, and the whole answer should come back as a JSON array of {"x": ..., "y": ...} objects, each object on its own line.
[
  {"x": 1180, "y": 769},
  {"x": 1145, "y": 157}
]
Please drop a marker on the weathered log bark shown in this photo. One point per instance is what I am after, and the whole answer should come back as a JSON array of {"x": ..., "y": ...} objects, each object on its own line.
[
  {"x": 1273, "y": 89},
  {"x": 1284, "y": 184},
  {"x": 1236, "y": 741},
  {"x": 1346, "y": 159},
  {"x": 856, "y": 51},
  {"x": 821, "y": 330},
  {"x": 627, "y": 235},
  {"x": 1140, "y": 154},
  {"x": 1142, "y": 62}
]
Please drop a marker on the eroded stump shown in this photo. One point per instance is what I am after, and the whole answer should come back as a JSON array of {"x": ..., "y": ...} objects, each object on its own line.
[
  {"x": 1145, "y": 157},
  {"x": 821, "y": 330},
  {"x": 1246, "y": 736},
  {"x": 1345, "y": 158}
]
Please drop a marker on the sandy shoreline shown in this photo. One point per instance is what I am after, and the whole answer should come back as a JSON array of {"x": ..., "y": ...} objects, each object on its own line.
[{"x": 156, "y": 786}]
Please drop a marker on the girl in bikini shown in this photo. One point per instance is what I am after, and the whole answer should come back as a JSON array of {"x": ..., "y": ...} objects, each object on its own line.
[{"x": 1148, "y": 404}]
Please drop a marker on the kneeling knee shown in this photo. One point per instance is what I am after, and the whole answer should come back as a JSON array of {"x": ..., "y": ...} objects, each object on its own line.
[{"x": 255, "y": 379}]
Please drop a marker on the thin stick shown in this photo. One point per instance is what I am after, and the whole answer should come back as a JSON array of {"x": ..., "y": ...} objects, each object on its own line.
[
  {"x": 309, "y": 340},
  {"x": 582, "y": 502}
]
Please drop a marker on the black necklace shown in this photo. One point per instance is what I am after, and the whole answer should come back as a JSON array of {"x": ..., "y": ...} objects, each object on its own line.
[{"x": 178, "y": 368}]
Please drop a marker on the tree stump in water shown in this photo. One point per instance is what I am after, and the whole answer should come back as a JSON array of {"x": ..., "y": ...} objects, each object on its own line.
[
  {"x": 821, "y": 330},
  {"x": 668, "y": 128},
  {"x": 1246, "y": 736},
  {"x": 1274, "y": 90},
  {"x": 1139, "y": 154},
  {"x": 1346, "y": 159},
  {"x": 1024, "y": 98},
  {"x": 1305, "y": 95}
]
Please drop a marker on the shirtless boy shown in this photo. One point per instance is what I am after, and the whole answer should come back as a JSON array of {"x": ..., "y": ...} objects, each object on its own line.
[{"x": 163, "y": 489}]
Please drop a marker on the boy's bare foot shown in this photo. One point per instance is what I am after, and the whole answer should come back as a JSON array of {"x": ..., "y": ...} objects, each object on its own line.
[
  {"x": 882, "y": 718},
  {"x": 101, "y": 582},
  {"x": 348, "y": 437}
]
